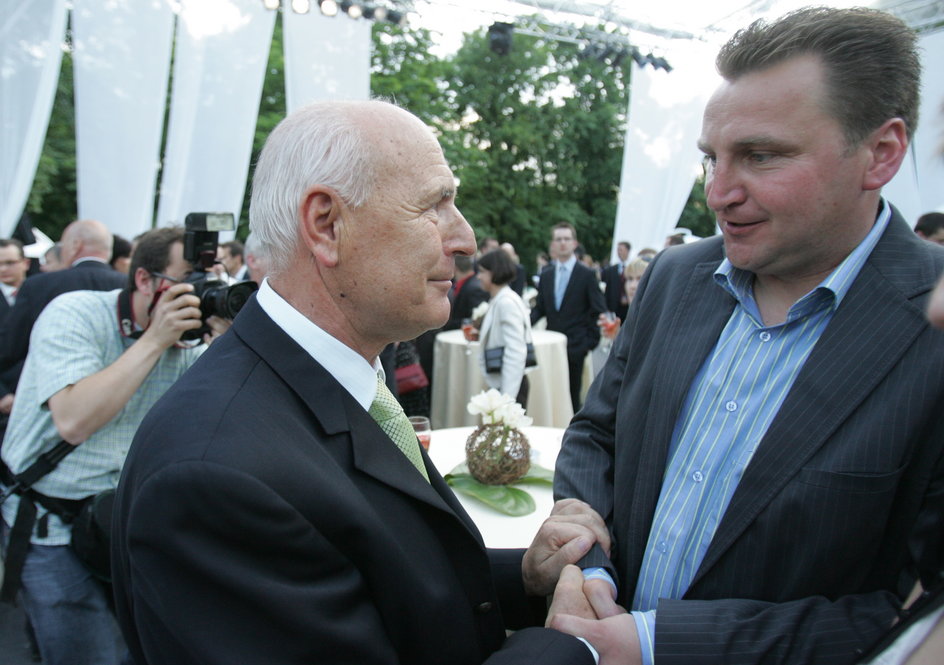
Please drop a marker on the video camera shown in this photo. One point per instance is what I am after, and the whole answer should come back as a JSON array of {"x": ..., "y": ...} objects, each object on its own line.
[{"x": 201, "y": 237}]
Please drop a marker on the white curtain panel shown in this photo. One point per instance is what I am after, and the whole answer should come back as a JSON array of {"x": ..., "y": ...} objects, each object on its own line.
[
  {"x": 660, "y": 157},
  {"x": 929, "y": 144},
  {"x": 221, "y": 53},
  {"x": 325, "y": 58},
  {"x": 30, "y": 53},
  {"x": 121, "y": 63}
]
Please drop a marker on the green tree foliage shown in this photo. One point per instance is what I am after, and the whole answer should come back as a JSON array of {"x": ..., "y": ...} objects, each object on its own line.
[
  {"x": 697, "y": 216},
  {"x": 539, "y": 140},
  {"x": 52, "y": 201}
]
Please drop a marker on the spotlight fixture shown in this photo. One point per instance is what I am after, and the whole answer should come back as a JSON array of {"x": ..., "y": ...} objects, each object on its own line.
[
  {"x": 352, "y": 10},
  {"x": 301, "y": 6},
  {"x": 659, "y": 62},
  {"x": 380, "y": 13},
  {"x": 271, "y": 4},
  {"x": 395, "y": 17},
  {"x": 328, "y": 7},
  {"x": 499, "y": 37},
  {"x": 638, "y": 57}
]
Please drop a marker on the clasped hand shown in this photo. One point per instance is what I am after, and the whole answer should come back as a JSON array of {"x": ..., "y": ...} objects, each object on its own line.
[{"x": 588, "y": 609}]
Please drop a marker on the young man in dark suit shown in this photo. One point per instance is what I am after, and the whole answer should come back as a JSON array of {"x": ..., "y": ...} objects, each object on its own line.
[
  {"x": 612, "y": 277},
  {"x": 765, "y": 439},
  {"x": 273, "y": 507},
  {"x": 570, "y": 297}
]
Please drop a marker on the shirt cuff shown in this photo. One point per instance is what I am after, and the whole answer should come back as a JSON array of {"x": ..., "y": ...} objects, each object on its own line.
[
  {"x": 593, "y": 652},
  {"x": 600, "y": 574},
  {"x": 646, "y": 628}
]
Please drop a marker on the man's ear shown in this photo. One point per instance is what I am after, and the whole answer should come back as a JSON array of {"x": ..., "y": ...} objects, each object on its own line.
[
  {"x": 887, "y": 146},
  {"x": 320, "y": 214},
  {"x": 143, "y": 281}
]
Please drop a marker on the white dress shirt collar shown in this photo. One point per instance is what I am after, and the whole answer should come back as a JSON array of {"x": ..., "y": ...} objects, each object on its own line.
[{"x": 355, "y": 374}]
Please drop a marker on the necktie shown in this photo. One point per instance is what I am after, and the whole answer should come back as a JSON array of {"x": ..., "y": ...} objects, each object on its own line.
[
  {"x": 560, "y": 286},
  {"x": 388, "y": 413}
]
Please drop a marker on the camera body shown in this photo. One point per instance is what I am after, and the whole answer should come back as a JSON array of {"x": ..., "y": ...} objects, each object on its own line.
[{"x": 201, "y": 236}]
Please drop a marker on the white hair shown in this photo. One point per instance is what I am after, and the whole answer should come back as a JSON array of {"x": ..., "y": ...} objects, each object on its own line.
[{"x": 320, "y": 144}]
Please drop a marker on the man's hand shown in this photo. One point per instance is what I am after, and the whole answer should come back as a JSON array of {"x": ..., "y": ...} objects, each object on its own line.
[
  {"x": 569, "y": 597},
  {"x": 614, "y": 638},
  {"x": 565, "y": 537},
  {"x": 176, "y": 311},
  {"x": 217, "y": 325},
  {"x": 6, "y": 403}
]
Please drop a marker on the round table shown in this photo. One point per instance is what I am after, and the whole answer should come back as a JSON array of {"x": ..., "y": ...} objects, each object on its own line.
[
  {"x": 457, "y": 376},
  {"x": 447, "y": 450}
]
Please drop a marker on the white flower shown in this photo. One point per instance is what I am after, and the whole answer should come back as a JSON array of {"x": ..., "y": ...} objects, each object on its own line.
[
  {"x": 479, "y": 312},
  {"x": 498, "y": 409}
]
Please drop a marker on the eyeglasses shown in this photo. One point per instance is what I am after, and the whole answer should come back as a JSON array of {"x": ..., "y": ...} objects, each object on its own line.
[{"x": 161, "y": 275}]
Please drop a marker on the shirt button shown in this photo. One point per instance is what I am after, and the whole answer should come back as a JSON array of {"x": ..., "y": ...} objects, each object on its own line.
[
  {"x": 731, "y": 406},
  {"x": 483, "y": 608},
  {"x": 698, "y": 476},
  {"x": 662, "y": 547},
  {"x": 765, "y": 336}
]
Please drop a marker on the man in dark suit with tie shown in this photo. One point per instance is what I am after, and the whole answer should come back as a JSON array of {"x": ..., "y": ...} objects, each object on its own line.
[
  {"x": 765, "y": 439},
  {"x": 13, "y": 268},
  {"x": 86, "y": 247},
  {"x": 612, "y": 277},
  {"x": 275, "y": 506},
  {"x": 570, "y": 297}
]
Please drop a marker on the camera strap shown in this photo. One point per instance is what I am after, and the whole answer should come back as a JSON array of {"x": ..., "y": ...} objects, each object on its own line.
[{"x": 126, "y": 317}]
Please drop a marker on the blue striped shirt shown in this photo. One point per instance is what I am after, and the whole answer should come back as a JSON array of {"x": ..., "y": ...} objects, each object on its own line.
[{"x": 729, "y": 406}]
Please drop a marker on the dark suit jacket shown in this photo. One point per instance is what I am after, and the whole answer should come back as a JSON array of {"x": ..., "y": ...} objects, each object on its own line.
[
  {"x": 263, "y": 517},
  {"x": 844, "y": 496},
  {"x": 470, "y": 296},
  {"x": 581, "y": 306},
  {"x": 613, "y": 292},
  {"x": 37, "y": 292}
]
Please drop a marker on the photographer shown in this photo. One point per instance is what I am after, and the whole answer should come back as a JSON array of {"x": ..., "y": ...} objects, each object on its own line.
[{"x": 89, "y": 379}]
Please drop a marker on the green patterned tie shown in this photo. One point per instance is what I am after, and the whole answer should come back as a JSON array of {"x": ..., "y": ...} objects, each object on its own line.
[{"x": 388, "y": 413}]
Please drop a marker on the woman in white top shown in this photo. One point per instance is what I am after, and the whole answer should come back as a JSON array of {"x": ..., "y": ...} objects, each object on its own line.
[{"x": 506, "y": 324}]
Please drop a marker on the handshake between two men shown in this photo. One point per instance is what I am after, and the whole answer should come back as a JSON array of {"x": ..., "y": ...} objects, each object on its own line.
[{"x": 584, "y": 608}]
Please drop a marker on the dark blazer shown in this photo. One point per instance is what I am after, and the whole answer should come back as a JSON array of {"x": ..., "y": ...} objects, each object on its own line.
[
  {"x": 263, "y": 517},
  {"x": 582, "y": 304},
  {"x": 37, "y": 292},
  {"x": 844, "y": 495},
  {"x": 470, "y": 296},
  {"x": 613, "y": 292}
]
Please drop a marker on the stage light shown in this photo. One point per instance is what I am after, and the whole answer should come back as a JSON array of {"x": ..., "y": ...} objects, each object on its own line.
[
  {"x": 271, "y": 4},
  {"x": 301, "y": 6},
  {"x": 638, "y": 57},
  {"x": 395, "y": 17},
  {"x": 329, "y": 7},
  {"x": 352, "y": 10},
  {"x": 380, "y": 13}
]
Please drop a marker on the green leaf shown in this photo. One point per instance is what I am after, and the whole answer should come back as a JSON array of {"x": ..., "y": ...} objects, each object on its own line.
[
  {"x": 536, "y": 475},
  {"x": 508, "y": 500}
]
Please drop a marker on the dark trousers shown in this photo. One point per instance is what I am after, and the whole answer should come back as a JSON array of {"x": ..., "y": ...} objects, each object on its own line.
[
  {"x": 575, "y": 364},
  {"x": 522, "y": 397}
]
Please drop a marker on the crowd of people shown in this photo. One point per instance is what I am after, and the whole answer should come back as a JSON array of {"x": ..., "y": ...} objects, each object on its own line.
[{"x": 755, "y": 476}]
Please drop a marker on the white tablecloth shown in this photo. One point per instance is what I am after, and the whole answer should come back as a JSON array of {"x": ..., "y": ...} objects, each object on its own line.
[
  {"x": 457, "y": 377},
  {"x": 447, "y": 450}
]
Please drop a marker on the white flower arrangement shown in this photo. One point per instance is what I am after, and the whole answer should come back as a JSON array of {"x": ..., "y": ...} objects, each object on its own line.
[
  {"x": 479, "y": 312},
  {"x": 498, "y": 409}
]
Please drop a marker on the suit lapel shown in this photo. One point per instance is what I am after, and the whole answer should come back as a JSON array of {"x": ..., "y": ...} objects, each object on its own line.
[
  {"x": 853, "y": 355},
  {"x": 337, "y": 412}
]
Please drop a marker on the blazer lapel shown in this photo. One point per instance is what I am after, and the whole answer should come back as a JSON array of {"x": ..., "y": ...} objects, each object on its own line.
[{"x": 833, "y": 382}]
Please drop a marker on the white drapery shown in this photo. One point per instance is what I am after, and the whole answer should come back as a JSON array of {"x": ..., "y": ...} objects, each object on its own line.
[
  {"x": 30, "y": 53},
  {"x": 325, "y": 58},
  {"x": 660, "y": 157},
  {"x": 221, "y": 52},
  {"x": 121, "y": 61}
]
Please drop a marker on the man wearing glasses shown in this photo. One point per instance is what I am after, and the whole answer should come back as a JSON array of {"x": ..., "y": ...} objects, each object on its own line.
[{"x": 98, "y": 361}]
